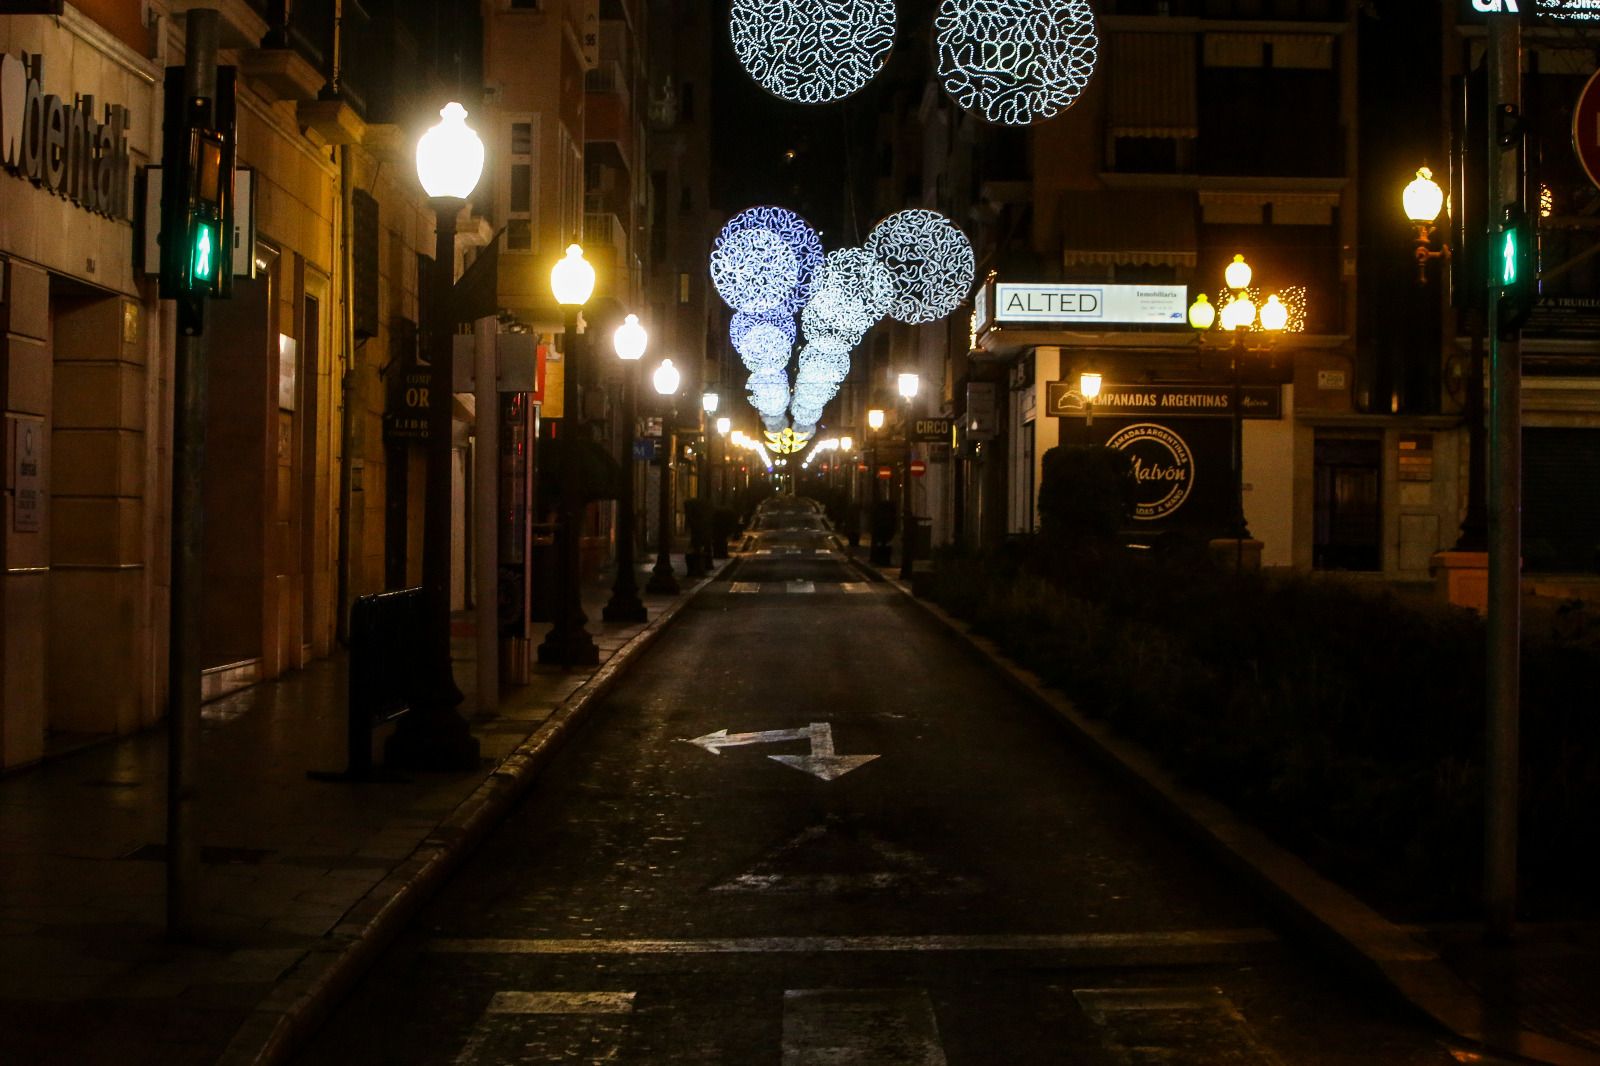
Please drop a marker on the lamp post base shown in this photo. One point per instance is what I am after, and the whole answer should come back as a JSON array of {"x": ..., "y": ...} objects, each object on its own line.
[
  {"x": 624, "y": 606},
  {"x": 569, "y": 647},
  {"x": 433, "y": 737},
  {"x": 663, "y": 582}
]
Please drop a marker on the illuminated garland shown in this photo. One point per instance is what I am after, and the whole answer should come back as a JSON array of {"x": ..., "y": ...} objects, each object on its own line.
[
  {"x": 859, "y": 289},
  {"x": 747, "y": 270},
  {"x": 1015, "y": 61},
  {"x": 823, "y": 365},
  {"x": 930, "y": 261},
  {"x": 812, "y": 51}
]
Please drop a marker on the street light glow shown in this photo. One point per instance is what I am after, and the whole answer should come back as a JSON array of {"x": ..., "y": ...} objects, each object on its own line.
[
  {"x": 1423, "y": 199},
  {"x": 875, "y": 418},
  {"x": 630, "y": 339},
  {"x": 450, "y": 156},
  {"x": 572, "y": 278},
  {"x": 708, "y": 402},
  {"x": 1274, "y": 315},
  {"x": 846, "y": 443},
  {"x": 1089, "y": 385},
  {"x": 1237, "y": 275},
  {"x": 1239, "y": 314},
  {"x": 909, "y": 383},
  {"x": 666, "y": 378},
  {"x": 1202, "y": 313}
]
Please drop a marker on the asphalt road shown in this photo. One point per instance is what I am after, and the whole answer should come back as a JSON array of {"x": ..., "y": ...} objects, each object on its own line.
[{"x": 931, "y": 874}]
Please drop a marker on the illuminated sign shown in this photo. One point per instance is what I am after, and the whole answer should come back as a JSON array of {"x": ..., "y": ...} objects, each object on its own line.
[
  {"x": 59, "y": 144},
  {"x": 1163, "y": 468},
  {"x": 1546, "y": 11},
  {"x": 1255, "y": 401},
  {"x": 1092, "y": 305}
]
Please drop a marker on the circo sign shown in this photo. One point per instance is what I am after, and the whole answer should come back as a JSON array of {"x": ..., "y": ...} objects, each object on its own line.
[{"x": 1163, "y": 468}]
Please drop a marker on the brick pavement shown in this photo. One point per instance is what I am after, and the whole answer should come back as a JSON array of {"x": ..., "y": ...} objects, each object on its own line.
[{"x": 295, "y": 870}]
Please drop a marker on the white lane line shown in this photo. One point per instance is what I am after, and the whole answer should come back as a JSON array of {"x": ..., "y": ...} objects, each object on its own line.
[
  {"x": 562, "y": 1003},
  {"x": 1096, "y": 942},
  {"x": 863, "y": 1027},
  {"x": 1177, "y": 1020},
  {"x": 854, "y": 586},
  {"x": 536, "y": 1003},
  {"x": 763, "y": 551},
  {"x": 745, "y": 586},
  {"x": 802, "y": 586}
]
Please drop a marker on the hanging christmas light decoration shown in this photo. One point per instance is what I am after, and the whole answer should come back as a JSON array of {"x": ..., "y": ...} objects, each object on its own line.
[
  {"x": 823, "y": 365},
  {"x": 1015, "y": 61},
  {"x": 753, "y": 269},
  {"x": 747, "y": 270},
  {"x": 862, "y": 288},
  {"x": 744, "y": 321},
  {"x": 930, "y": 261},
  {"x": 763, "y": 347},
  {"x": 812, "y": 51}
]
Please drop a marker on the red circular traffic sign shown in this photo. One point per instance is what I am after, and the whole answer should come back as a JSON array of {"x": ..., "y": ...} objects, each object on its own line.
[
  {"x": 918, "y": 468},
  {"x": 885, "y": 472},
  {"x": 1586, "y": 128}
]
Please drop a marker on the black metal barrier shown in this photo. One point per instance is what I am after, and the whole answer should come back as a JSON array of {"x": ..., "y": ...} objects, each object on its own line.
[{"x": 388, "y": 663}]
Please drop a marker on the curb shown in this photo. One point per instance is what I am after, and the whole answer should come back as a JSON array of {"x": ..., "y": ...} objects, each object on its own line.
[
  {"x": 278, "y": 1026},
  {"x": 1364, "y": 941}
]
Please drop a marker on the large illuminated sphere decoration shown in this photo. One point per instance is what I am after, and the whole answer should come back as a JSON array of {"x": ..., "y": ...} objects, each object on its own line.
[
  {"x": 820, "y": 364},
  {"x": 1015, "y": 61},
  {"x": 812, "y": 51},
  {"x": 930, "y": 260},
  {"x": 763, "y": 347},
  {"x": 864, "y": 284},
  {"x": 743, "y": 322},
  {"x": 747, "y": 270},
  {"x": 769, "y": 392}
]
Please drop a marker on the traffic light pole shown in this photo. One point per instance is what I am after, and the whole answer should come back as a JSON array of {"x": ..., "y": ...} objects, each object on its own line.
[
  {"x": 1505, "y": 507},
  {"x": 183, "y": 644}
]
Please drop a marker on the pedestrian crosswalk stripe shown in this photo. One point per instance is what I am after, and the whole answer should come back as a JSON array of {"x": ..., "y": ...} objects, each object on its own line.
[
  {"x": 802, "y": 586},
  {"x": 824, "y": 1027},
  {"x": 1175, "y": 1020},
  {"x": 854, "y": 586},
  {"x": 561, "y": 1003},
  {"x": 745, "y": 586}
]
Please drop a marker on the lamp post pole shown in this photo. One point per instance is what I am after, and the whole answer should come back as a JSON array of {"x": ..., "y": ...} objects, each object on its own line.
[
  {"x": 909, "y": 384},
  {"x": 662, "y": 580},
  {"x": 568, "y": 642},
  {"x": 625, "y": 605},
  {"x": 434, "y": 735}
]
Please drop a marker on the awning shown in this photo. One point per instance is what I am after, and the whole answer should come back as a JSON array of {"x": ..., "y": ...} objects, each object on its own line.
[
  {"x": 1153, "y": 85},
  {"x": 1129, "y": 227}
]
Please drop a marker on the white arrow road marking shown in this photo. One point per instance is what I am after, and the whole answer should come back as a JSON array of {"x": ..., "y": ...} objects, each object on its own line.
[{"x": 823, "y": 761}]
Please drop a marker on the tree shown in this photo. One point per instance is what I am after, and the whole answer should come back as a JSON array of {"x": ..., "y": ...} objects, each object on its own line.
[{"x": 1085, "y": 494}]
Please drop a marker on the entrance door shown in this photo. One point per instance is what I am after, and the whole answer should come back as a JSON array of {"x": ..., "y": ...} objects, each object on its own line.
[{"x": 1348, "y": 519}]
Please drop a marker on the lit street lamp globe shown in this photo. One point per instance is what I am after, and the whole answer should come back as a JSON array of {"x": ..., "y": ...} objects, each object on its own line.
[
  {"x": 1089, "y": 385},
  {"x": 909, "y": 383},
  {"x": 572, "y": 278},
  {"x": 666, "y": 378},
  {"x": 875, "y": 418},
  {"x": 450, "y": 156},
  {"x": 724, "y": 424},
  {"x": 630, "y": 339},
  {"x": 1202, "y": 313},
  {"x": 1423, "y": 199},
  {"x": 1237, "y": 275},
  {"x": 709, "y": 401},
  {"x": 1274, "y": 315},
  {"x": 1239, "y": 314}
]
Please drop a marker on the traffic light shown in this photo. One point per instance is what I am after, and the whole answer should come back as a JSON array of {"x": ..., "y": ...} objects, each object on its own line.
[
  {"x": 1515, "y": 268},
  {"x": 197, "y": 197}
]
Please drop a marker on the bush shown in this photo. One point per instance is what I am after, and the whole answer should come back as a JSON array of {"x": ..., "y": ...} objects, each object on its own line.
[{"x": 1084, "y": 494}]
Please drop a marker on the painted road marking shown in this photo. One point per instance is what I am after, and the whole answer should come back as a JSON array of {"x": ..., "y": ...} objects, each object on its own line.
[
  {"x": 802, "y": 586},
  {"x": 869, "y": 1027},
  {"x": 602, "y": 1039},
  {"x": 745, "y": 586},
  {"x": 854, "y": 586},
  {"x": 1088, "y": 943},
  {"x": 1164, "y": 1021},
  {"x": 822, "y": 761},
  {"x": 763, "y": 551},
  {"x": 857, "y": 860}
]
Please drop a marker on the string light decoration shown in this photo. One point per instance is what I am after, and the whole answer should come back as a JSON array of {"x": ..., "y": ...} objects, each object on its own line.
[
  {"x": 812, "y": 51},
  {"x": 754, "y": 269},
  {"x": 1015, "y": 61},
  {"x": 1294, "y": 298},
  {"x": 929, "y": 260},
  {"x": 747, "y": 270},
  {"x": 823, "y": 365},
  {"x": 860, "y": 285},
  {"x": 763, "y": 347},
  {"x": 744, "y": 321}
]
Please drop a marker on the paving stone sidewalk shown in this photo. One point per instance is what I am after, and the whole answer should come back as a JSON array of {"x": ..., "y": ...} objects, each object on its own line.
[{"x": 294, "y": 869}]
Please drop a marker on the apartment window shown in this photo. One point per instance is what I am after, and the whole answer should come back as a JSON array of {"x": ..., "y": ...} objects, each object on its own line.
[{"x": 518, "y": 204}]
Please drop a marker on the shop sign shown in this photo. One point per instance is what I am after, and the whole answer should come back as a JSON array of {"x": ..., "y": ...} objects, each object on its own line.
[
  {"x": 60, "y": 145},
  {"x": 1092, "y": 305},
  {"x": 1163, "y": 468},
  {"x": 931, "y": 429},
  {"x": 1256, "y": 401},
  {"x": 1575, "y": 317},
  {"x": 26, "y": 446},
  {"x": 1551, "y": 12},
  {"x": 406, "y": 415},
  {"x": 982, "y": 410},
  {"x": 1416, "y": 456}
]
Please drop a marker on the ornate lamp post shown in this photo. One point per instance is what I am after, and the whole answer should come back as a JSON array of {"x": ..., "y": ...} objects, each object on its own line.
[
  {"x": 629, "y": 341},
  {"x": 909, "y": 385},
  {"x": 568, "y": 642},
  {"x": 1238, "y": 317},
  {"x": 434, "y": 736},
  {"x": 1089, "y": 388},
  {"x": 698, "y": 562},
  {"x": 662, "y": 580},
  {"x": 875, "y": 418}
]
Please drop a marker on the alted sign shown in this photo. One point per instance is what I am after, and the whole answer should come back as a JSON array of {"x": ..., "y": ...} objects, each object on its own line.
[
  {"x": 1255, "y": 401},
  {"x": 1091, "y": 305},
  {"x": 61, "y": 145}
]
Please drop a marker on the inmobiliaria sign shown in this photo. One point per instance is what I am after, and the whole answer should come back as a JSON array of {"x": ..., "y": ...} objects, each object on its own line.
[{"x": 60, "y": 144}]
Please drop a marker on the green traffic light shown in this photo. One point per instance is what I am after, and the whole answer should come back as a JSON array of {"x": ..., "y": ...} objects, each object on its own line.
[
  {"x": 204, "y": 261},
  {"x": 1508, "y": 256}
]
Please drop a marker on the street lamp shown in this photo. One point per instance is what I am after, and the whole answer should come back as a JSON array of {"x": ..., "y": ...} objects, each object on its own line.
[
  {"x": 434, "y": 736},
  {"x": 878, "y": 555},
  {"x": 662, "y": 580},
  {"x": 1423, "y": 201},
  {"x": 909, "y": 384},
  {"x": 1239, "y": 316},
  {"x": 1089, "y": 388},
  {"x": 698, "y": 559},
  {"x": 568, "y": 642},
  {"x": 630, "y": 341}
]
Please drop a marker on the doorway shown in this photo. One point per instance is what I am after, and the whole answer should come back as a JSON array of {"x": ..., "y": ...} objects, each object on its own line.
[{"x": 1348, "y": 514}]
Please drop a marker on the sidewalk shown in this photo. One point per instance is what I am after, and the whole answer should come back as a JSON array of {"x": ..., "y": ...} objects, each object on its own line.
[
  {"x": 1537, "y": 999},
  {"x": 303, "y": 879}
]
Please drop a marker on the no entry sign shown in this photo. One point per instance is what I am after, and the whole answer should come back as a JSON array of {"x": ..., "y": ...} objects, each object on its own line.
[
  {"x": 885, "y": 472},
  {"x": 1586, "y": 128},
  {"x": 918, "y": 468}
]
